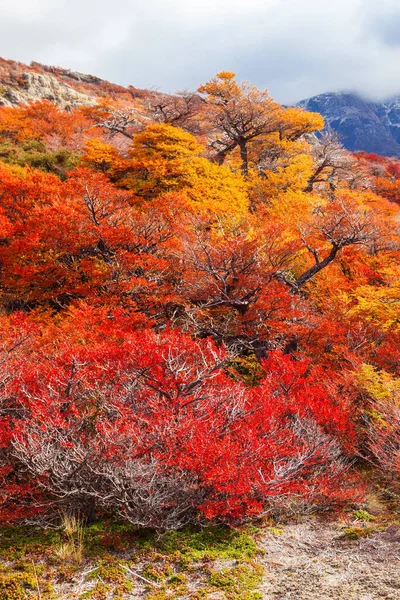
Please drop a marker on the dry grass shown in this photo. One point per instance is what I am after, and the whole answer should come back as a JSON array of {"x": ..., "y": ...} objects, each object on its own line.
[{"x": 73, "y": 548}]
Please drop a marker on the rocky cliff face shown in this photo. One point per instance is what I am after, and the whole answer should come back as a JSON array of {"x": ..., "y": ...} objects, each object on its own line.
[
  {"x": 362, "y": 125},
  {"x": 37, "y": 86},
  {"x": 21, "y": 84}
]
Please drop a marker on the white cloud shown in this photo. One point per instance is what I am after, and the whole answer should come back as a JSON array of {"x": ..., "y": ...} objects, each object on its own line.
[{"x": 296, "y": 48}]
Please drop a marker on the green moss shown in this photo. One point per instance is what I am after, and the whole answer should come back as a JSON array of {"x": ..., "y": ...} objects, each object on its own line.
[
  {"x": 105, "y": 591},
  {"x": 101, "y": 591},
  {"x": 276, "y": 530},
  {"x": 355, "y": 533},
  {"x": 109, "y": 570},
  {"x": 191, "y": 553},
  {"x": 171, "y": 560},
  {"x": 239, "y": 582},
  {"x": 122, "y": 589},
  {"x": 29, "y": 567},
  {"x": 103, "y": 537},
  {"x": 35, "y": 154},
  {"x": 153, "y": 572},
  {"x": 172, "y": 590},
  {"x": 178, "y": 578},
  {"x": 16, "y": 542},
  {"x": 214, "y": 542},
  {"x": 13, "y": 586},
  {"x": 210, "y": 543},
  {"x": 363, "y": 515}
]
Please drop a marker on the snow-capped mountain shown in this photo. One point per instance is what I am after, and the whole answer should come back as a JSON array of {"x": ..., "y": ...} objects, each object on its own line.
[{"x": 362, "y": 124}]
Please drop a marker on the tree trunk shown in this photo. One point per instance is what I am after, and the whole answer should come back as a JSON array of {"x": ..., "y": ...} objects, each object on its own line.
[
  {"x": 244, "y": 157},
  {"x": 314, "y": 177},
  {"x": 307, "y": 275}
]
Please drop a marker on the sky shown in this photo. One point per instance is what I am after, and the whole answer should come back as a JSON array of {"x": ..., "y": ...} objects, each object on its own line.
[{"x": 293, "y": 48}]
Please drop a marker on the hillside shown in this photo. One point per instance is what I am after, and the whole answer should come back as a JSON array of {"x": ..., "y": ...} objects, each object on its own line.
[
  {"x": 199, "y": 349},
  {"x": 362, "y": 125},
  {"x": 177, "y": 264},
  {"x": 21, "y": 83}
]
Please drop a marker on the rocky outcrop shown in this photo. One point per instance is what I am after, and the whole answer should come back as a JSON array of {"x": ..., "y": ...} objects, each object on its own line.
[
  {"x": 362, "y": 125},
  {"x": 39, "y": 86}
]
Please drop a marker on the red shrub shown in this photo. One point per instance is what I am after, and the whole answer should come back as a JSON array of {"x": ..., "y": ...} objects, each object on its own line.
[{"x": 150, "y": 426}]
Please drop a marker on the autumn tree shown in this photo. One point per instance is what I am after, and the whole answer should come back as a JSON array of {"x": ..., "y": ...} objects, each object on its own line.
[
  {"x": 166, "y": 159},
  {"x": 116, "y": 120},
  {"x": 331, "y": 162},
  {"x": 239, "y": 113},
  {"x": 339, "y": 224},
  {"x": 180, "y": 110}
]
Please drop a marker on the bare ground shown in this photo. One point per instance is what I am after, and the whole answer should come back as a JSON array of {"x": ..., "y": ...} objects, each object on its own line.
[{"x": 312, "y": 560}]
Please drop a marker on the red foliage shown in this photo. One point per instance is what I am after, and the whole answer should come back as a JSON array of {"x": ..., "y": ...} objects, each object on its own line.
[{"x": 158, "y": 414}]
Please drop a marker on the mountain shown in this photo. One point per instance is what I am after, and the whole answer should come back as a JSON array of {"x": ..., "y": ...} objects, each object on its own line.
[{"x": 362, "y": 125}]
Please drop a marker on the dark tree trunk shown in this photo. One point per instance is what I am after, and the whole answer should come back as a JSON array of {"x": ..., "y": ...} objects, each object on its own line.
[
  {"x": 244, "y": 156},
  {"x": 307, "y": 275},
  {"x": 314, "y": 177}
]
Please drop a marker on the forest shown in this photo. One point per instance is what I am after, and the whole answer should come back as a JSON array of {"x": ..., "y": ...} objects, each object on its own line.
[{"x": 200, "y": 311}]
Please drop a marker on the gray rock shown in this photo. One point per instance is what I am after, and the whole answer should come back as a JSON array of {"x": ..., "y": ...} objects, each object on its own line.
[{"x": 40, "y": 86}]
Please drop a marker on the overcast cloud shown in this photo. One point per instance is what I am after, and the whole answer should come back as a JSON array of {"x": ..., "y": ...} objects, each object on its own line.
[{"x": 295, "y": 48}]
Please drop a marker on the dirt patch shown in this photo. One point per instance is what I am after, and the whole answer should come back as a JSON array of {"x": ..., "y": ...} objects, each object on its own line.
[{"x": 313, "y": 561}]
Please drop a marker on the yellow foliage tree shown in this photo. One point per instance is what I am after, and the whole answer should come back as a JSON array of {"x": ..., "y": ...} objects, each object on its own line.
[
  {"x": 379, "y": 385},
  {"x": 216, "y": 189},
  {"x": 167, "y": 159},
  {"x": 161, "y": 160},
  {"x": 103, "y": 157}
]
